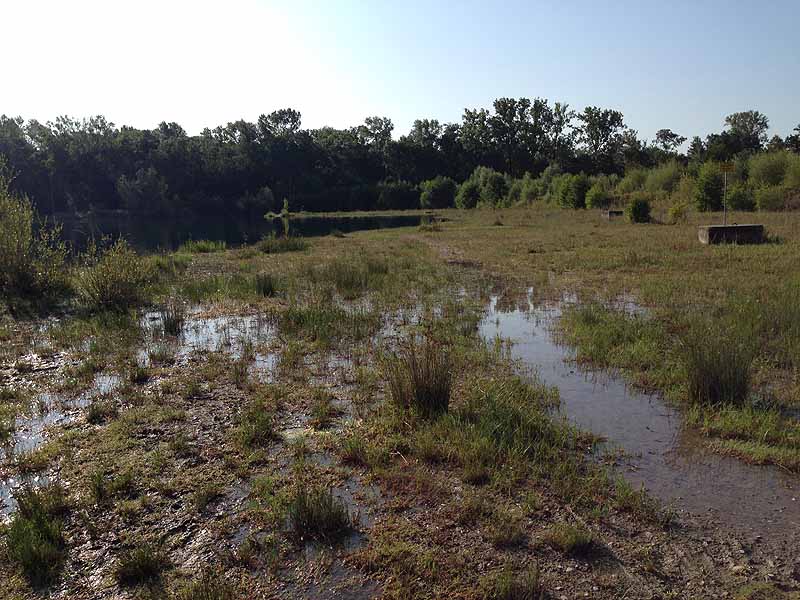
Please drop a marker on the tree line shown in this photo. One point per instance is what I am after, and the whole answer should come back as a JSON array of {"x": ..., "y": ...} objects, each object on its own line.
[{"x": 77, "y": 166}]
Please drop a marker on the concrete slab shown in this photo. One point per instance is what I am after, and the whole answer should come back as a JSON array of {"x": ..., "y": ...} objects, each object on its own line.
[{"x": 731, "y": 234}]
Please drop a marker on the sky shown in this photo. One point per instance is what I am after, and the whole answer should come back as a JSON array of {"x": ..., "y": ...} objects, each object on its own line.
[{"x": 677, "y": 64}]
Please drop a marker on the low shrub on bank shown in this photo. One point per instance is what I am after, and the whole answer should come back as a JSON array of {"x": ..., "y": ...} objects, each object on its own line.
[
  {"x": 34, "y": 539},
  {"x": 637, "y": 210},
  {"x": 32, "y": 258},
  {"x": 771, "y": 198},
  {"x": 114, "y": 278}
]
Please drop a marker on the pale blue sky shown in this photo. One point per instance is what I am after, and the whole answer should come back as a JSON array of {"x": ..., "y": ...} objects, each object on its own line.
[{"x": 676, "y": 64}]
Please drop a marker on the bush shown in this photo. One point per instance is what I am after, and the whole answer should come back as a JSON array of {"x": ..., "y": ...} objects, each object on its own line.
[
  {"x": 678, "y": 213},
  {"x": 420, "y": 377},
  {"x": 792, "y": 178},
  {"x": 397, "y": 195},
  {"x": 34, "y": 539},
  {"x": 532, "y": 189},
  {"x": 469, "y": 194},
  {"x": 740, "y": 197},
  {"x": 494, "y": 186},
  {"x": 32, "y": 258},
  {"x": 572, "y": 191},
  {"x": 633, "y": 181},
  {"x": 771, "y": 198},
  {"x": 709, "y": 187},
  {"x": 439, "y": 192},
  {"x": 664, "y": 178},
  {"x": 115, "y": 278},
  {"x": 597, "y": 197},
  {"x": 768, "y": 168},
  {"x": 637, "y": 210}
]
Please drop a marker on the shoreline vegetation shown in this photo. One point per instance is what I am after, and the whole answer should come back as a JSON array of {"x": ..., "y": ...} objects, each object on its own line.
[{"x": 321, "y": 414}]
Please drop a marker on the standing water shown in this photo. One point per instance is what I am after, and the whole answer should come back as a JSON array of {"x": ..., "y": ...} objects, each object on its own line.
[{"x": 669, "y": 461}]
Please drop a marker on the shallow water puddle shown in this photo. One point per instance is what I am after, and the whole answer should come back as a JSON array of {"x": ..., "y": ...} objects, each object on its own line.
[
  {"x": 30, "y": 432},
  {"x": 670, "y": 462}
]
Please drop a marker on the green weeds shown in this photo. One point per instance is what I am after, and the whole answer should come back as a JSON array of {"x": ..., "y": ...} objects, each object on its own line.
[{"x": 202, "y": 246}]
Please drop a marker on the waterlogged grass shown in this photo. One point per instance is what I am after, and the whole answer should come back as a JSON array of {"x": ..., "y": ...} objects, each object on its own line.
[
  {"x": 420, "y": 377},
  {"x": 327, "y": 322},
  {"x": 316, "y": 514}
]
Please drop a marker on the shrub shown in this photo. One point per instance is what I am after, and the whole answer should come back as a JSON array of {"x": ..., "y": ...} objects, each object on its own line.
[
  {"x": 494, "y": 186},
  {"x": 678, "y": 213},
  {"x": 633, "y": 181},
  {"x": 572, "y": 191},
  {"x": 740, "y": 197},
  {"x": 32, "y": 259},
  {"x": 597, "y": 197},
  {"x": 439, "y": 192},
  {"x": 532, "y": 189},
  {"x": 637, "y": 210},
  {"x": 768, "y": 168},
  {"x": 397, "y": 195},
  {"x": 141, "y": 564},
  {"x": 202, "y": 246},
  {"x": 792, "y": 178},
  {"x": 34, "y": 538},
  {"x": 771, "y": 198},
  {"x": 664, "y": 178},
  {"x": 717, "y": 365},
  {"x": 115, "y": 278},
  {"x": 709, "y": 187},
  {"x": 420, "y": 377},
  {"x": 315, "y": 513},
  {"x": 469, "y": 194}
]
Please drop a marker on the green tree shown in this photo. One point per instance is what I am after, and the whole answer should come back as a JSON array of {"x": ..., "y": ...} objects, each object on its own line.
[
  {"x": 438, "y": 192},
  {"x": 709, "y": 187}
]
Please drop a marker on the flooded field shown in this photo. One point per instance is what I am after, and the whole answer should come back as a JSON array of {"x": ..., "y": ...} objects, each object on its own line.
[{"x": 655, "y": 449}]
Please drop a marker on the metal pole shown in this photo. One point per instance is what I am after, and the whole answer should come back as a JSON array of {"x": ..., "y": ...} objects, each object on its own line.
[{"x": 725, "y": 201}]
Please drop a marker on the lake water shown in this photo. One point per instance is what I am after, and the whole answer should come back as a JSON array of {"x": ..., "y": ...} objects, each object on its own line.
[{"x": 167, "y": 233}]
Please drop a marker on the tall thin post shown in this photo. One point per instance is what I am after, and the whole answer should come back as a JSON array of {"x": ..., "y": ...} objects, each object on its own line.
[{"x": 725, "y": 200}]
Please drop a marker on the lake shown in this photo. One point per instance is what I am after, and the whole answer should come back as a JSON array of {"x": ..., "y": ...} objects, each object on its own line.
[{"x": 152, "y": 233}]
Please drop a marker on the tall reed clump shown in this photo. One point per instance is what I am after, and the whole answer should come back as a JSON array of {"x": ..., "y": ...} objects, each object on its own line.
[
  {"x": 315, "y": 513},
  {"x": 173, "y": 315},
  {"x": 32, "y": 257},
  {"x": 114, "y": 278},
  {"x": 718, "y": 363},
  {"x": 277, "y": 245},
  {"x": 34, "y": 539},
  {"x": 420, "y": 377}
]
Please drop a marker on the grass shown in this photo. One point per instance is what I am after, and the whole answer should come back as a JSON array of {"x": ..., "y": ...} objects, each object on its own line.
[
  {"x": 326, "y": 322},
  {"x": 570, "y": 539},
  {"x": 202, "y": 246},
  {"x": 266, "y": 285},
  {"x": 35, "y": 540},
  {"x": 256, "y": 426},
  {"x": 316, "y": 514},
  {"x": 100, "y": 411},
  {"x": 114, "y": 278},
  {"x": 279, "y": 245},
  {"x": 323, "y": 410},
  {"x": 173, "y": 316},
  {"x": 210, "y": 585},
  {"x": 204, "y": 495},
  {"x": 141, "y": 564},
  {"x": 510, "y": 585},
  {"x": 421, "y": 377}
]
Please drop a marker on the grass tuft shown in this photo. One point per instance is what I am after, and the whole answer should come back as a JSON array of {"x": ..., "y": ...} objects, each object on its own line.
[
  {"x": 202, "y": 246},
  {"x": 420, "y": 378},
  {"x": 508, "y": 585},
  {"x": 315, "y": 513},
  {"x": 571, "y": 540},
  {"x": 139, "y": 565}
]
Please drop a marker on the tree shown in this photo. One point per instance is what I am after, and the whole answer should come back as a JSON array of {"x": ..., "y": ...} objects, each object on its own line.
[
  {"x": 668, "y": 140},
  {"x": 600, "y": 134},
  {"x": 438, "y": 192},
  {"x": 750, "y": 127},
  {"x": 708, "y": 191}
]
